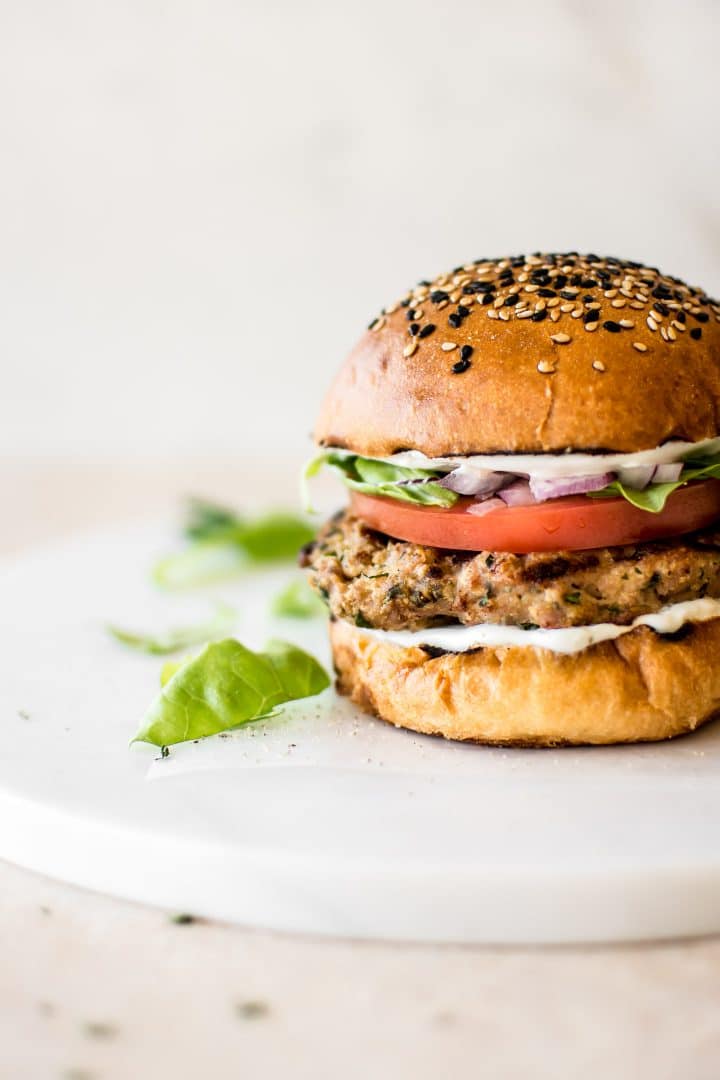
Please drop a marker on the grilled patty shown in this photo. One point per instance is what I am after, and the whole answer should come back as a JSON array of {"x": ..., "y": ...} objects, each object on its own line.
[{"x": 372, "y": 580}]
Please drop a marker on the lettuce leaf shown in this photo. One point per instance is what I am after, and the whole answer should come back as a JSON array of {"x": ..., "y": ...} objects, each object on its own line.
[
  {"x": 372, "y": 477},
  {"x": 298, "y": 601},
  {"x": 228, "y": 685},
  {"x": 182, "y": 637},
  {"x": 654, "y": 496},
  {"x": 223, "y": 544}
]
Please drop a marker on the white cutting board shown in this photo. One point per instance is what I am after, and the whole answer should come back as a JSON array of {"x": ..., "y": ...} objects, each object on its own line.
[{"x": 323, "y": 821}]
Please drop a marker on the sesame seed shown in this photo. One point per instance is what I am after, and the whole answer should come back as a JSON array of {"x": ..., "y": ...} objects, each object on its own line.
[
  {"x": 448, "y": 346},
  {"x": 640, "y": 346},
  {"x": 663, "y": 333},
  {"x": 627, "y": 324},
  {"x": 696, "y": 333},
  {"x": 460, "y": 366},
  {"x": 492, "y": 313},
  {"x": 619, "y": 303},
  {"x": 504, "y": 314},
  {"x": 565, "y": 308},
  {"x": 555, "y": 316},
  {"x": 679, "y": 326},
  {"x": 636, "y": 304},
  {"x": 671, "y": 333},
  {"x": 526, "y": 314},
  {"x": 427, "y": 330},
  {"x": 655, "y": 315},
  {"x": 414, "y": 328},
  {"x": 466, "y": 352},
  {"x": 455, "y": 320},
  {"x": 546, "y": 367},
  {"x": 598, "y": 365},
  {"x": 410, "y": 349},
  {"x": 590, "y": 326},
  {"x": 651, "y": 323},
  {"x": 613, "y": 327},
  {"x": 554, "y": 302},
  {"x": 560, "y": 339}
]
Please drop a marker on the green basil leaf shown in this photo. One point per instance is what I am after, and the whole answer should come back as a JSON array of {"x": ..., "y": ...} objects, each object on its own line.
[
  {"x": 298, "y": 601},
  {"x": 381, "y": 478},
  {"x": 654, "y": 496},
  {"x": 182, "y": 637},
  {"x": 224, "y": 544},
  {"x": 228, "y": 685}
]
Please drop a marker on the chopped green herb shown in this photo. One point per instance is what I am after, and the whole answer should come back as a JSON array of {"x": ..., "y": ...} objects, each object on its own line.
[
  {"x": 252, "y": 1010},
  {"x": 228, "y": 685},
  {"x": 529, "y": 626},
  {"x": 572, "y": 598},
  {"x": 182, "y": 919},
  {"x": 361, "y": 621}
]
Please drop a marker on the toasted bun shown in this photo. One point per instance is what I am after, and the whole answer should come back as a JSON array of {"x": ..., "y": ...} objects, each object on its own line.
[
  {"x": 645, "y": 370},
  {"x": 639, "y": 688}
]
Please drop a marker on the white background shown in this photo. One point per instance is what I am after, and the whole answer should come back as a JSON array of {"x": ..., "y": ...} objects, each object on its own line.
[{"x": 203, "y": 204}]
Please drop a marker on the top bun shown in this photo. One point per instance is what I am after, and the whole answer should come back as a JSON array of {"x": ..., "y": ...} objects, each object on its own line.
[{"x": 532, "y": 353}]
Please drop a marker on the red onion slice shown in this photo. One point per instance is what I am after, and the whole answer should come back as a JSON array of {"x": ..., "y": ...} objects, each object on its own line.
[
  {"x": 667, "y": 474},
  {"x": 636, "y": 477},
  {"x": 468, "y": 481},
  {"x": 480, "y": 508},
  {"x": 544, "y": 489},
  {"x": 518, "y": 494}
]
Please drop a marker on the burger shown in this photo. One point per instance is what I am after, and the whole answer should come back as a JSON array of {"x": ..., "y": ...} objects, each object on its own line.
[{"x": 530, "y": 555}]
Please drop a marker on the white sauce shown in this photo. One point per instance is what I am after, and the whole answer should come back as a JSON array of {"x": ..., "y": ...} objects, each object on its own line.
[
  {"x": 553, "y": 466},
  {"x": 570, "y": 640}
]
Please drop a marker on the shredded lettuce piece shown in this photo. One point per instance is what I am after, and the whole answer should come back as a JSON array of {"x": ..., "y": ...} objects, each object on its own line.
[
  {"x": 228, "y": 685},
  {"x": 372, "y": 477},
  {"x": 298, "y": 601},
  {"x": 654, "y": 496},
  {"x": 182, "y": 637},
  {"x": 223, "y": 544}
]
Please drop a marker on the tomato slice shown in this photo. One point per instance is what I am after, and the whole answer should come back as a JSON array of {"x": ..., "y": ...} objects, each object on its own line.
[{"x": 572, "y": 523}]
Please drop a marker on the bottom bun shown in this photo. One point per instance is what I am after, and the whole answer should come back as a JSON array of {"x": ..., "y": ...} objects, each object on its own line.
[{"x": 640, "y": 687}]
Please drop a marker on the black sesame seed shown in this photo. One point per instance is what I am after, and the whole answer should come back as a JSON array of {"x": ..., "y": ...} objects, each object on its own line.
[
  {"x": 438, "y": 295},
  {"x": 404, "y": 303},
  {"x": 681, "y": 316},
  {"x": 488, "y": 298},
  {"x": 591, "y": 316},
  {"x": 410, "y": 315},
  {"x": 661, "y": 292},
  {"x": 613, "y": 327},
  {"x": 455, "y": 320},
  {"x": 462, "y": 365},
  {"x": 425, "y": 284},
  {"x": 568, "y": 295},
  {"x": 512, "y": 299},
  {"x": 560, "y": 281},
  {"x": 538, "y": 316},
  {"x": 696, "y": 333},
  {"x": 546, "y": 292},
  {"x": 701, "y": 316},
  {"x": 588, "y": 299},
  {"x": 427, "y": 330},
  {"x": 414, "y": 328},
  {"x": 662, "y": 308},
  {"x": 463, "y": 311},
  {"x": 588, "y": 283},
  {"x": 466, "y": 352}
]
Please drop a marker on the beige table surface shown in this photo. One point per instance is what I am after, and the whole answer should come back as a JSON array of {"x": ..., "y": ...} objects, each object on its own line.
[{"x": 92, "y": 988}]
